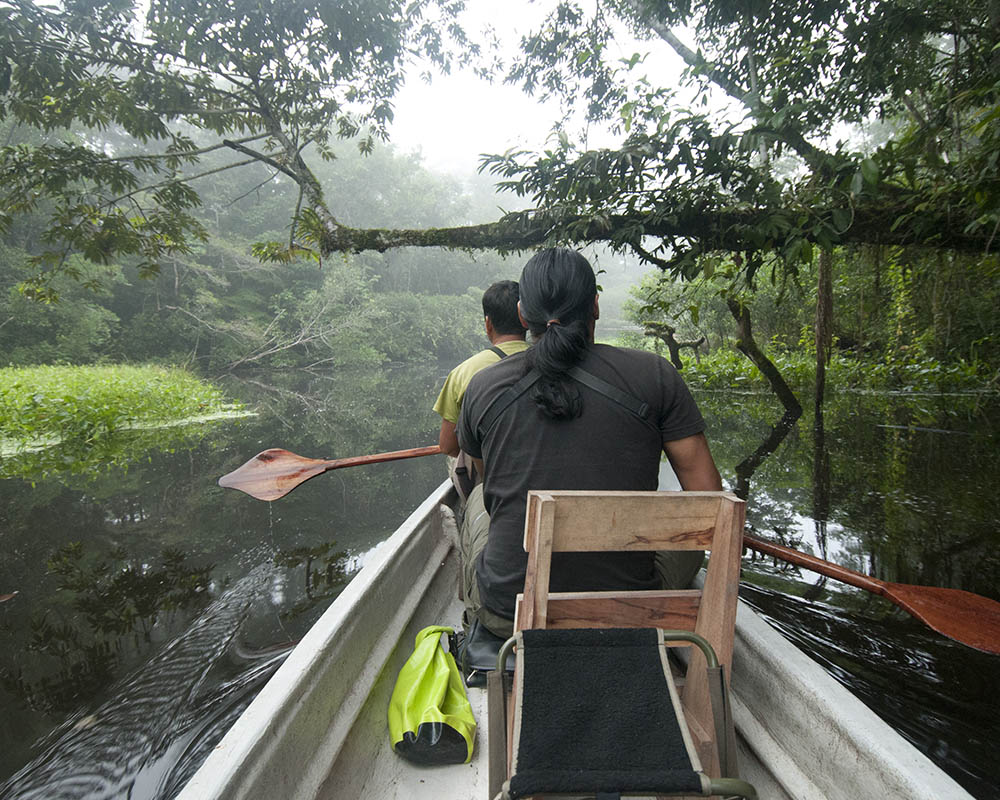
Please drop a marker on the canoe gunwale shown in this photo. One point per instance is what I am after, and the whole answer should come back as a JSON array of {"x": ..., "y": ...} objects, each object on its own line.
[{"x": 324, "y": 683}]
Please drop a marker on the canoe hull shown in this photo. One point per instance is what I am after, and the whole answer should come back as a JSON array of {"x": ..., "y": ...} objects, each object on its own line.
[{"x": 318, "y": 728}]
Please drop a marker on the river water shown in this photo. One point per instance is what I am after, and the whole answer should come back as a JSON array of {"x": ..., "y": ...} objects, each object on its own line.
[{"x": 143, "y": 606}]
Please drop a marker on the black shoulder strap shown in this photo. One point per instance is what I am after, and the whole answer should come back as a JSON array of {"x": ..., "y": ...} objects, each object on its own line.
[
  {"x": 613, "y": 393},
  {"x": 504, "y": 399},
  {"x": 498, "y": 351}
]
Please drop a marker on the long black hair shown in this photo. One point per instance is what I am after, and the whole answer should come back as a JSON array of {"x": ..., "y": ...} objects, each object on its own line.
[{"x": 558, "y": 288}]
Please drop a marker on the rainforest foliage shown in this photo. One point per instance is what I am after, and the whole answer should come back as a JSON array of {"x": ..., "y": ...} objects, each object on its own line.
[
  {"x": 218, "y": 307},
  {"x": 856, "y": 160},
  {"x": 904, "y": 320}
]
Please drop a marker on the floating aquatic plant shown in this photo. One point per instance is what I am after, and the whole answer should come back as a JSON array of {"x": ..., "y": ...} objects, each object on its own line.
[{"x": 48, "y": 404}]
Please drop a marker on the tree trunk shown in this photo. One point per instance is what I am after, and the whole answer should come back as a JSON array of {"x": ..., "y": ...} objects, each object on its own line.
[
  {"x": 824, "y": 323},
  {"x": 665, "y": 333},
  {"x": 746, "y": 344}
]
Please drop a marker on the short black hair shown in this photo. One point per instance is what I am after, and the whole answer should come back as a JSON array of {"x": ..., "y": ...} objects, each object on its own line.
[{"x": 500, "y": 305}]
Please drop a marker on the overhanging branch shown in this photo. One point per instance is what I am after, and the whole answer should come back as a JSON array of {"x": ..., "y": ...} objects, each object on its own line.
[
  {"x": 812, "y": 155},
  {"x": 724, "y": 230},
  {"x": 263, "y": 158}
]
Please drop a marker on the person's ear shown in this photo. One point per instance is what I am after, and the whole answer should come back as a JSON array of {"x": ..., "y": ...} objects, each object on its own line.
[
  {"x": 520, "y": 316},
  {"x": 489, "y": 327},
  {"x": 597, "y": 307}
]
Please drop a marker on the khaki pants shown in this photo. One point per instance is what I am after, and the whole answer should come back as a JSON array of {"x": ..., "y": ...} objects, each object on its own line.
[
  {"x": 676, "y": 568},
  {"x": 475, "y": 530}
]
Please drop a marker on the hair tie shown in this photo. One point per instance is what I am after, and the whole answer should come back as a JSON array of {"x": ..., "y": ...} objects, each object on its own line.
[{"x": 552, "y": 322}]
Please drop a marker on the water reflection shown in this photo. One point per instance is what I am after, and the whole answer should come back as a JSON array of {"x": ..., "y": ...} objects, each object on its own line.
[
  {"x": 908, "y": 503},
  {"x": 86, "y": 460},
  {"x": 113, "y": 604},
  {"x": 136, "y": 625},
  {"x": 746, "y": 468},
  {"x": 324, "y": 571},
  {"x": 871, "y": 503},
  {"x": 104, "y": 753}
]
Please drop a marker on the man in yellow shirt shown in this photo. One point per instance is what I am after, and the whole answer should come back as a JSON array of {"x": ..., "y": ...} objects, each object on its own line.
[{"x": 506, "y": 335}]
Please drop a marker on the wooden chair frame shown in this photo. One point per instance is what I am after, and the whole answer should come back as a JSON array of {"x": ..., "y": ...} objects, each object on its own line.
[{"x": 588, "y": 521}]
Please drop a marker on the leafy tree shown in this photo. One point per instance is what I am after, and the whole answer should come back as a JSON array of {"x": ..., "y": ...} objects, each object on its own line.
[
  {"x": 78, "y": 330},
  {"x": 682, "y": 186},
  {"x": 266, "y": 79},
  {"x": 280, "y": 74},
  {"x": 927, "y": 70}
]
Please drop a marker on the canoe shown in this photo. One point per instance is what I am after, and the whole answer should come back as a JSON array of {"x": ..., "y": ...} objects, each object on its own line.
[{"x": 318, "y": 728}]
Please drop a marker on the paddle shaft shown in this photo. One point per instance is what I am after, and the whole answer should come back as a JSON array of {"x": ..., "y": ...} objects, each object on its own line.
[
  {"x": 378, "y": 458},
  {"x": 818, "y": 565}
]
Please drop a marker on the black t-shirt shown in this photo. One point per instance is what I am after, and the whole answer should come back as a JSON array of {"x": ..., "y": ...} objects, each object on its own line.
[{"x": 605, "y": 448}]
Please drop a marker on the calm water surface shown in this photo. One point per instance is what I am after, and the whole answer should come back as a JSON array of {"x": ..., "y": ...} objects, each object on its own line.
[{"x": 151, "y": 605}]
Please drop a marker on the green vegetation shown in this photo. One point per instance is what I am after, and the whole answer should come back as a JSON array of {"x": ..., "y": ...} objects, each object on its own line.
[
  {"x": 901, "y": 321},
  {"x": 218, "y": 309},
  {"x": 729, "y": 369},
  {"x": 681, "y": 184},
  {"x": 41, "y": 405},
  {"x": 875, "y": 253}
]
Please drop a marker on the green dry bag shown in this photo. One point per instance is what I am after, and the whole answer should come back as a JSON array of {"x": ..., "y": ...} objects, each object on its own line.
[{"x": 430, "y": 719}]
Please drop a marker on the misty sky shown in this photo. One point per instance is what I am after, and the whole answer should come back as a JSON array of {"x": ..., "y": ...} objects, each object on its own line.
[{"x": 457, "y": 117}]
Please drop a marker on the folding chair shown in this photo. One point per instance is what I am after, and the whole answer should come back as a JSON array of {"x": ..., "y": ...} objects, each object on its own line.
[{"x": 595, "y": 710}]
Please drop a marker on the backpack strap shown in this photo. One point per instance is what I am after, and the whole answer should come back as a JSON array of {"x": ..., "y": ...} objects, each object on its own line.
[
  {"x": 498, "y": 351},
  {"x": 503, "y": 401},
  {"x": 613, "y": 393}
]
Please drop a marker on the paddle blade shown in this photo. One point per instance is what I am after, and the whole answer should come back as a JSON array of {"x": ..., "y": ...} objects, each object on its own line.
[
  {"x": 273, "y": 473},
  {"x": 963, "y": 616}
]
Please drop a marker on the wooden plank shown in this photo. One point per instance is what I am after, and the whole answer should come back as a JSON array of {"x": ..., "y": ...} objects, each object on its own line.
[
  {"x": 538, "y": 532},
  {"x": 521, "y": 614},
  {"x": 717, "y": 619},
  {"x": 672, "y": 610},
  {"x": 496, "y": 714},
  {"x": 624, "y": 521},
  {"x": 704, "y": 741}
]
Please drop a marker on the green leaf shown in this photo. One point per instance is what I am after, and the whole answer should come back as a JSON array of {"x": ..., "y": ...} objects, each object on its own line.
[
  {"x": 870, "y": 172},
  {"x": 841, "y": 219},
  {"x": 857, "y": 183}
]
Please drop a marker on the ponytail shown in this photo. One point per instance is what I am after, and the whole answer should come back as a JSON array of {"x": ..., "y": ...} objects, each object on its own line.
[{"x": 557, "y": 289}]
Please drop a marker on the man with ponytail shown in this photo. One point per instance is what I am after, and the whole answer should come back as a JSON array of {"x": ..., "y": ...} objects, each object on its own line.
[{"x": 571, "y": 414}]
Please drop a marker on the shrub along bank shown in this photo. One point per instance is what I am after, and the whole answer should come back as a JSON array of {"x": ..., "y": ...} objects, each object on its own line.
[{"x": 49, "y": 403}]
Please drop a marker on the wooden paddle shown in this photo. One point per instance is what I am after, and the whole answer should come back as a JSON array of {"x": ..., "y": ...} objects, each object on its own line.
[
  {"x": 275, "y": 472},
  {"x": 963, "y": 616}
]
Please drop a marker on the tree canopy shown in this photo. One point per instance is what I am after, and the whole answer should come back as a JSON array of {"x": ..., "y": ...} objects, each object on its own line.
[
  {"x": 273, "y": 81},
  {"x": 263, "y": 80},
  {"x": 929, "y": 71}
]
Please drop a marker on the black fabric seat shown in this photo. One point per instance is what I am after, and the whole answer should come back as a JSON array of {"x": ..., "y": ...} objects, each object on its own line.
[{"x": 598, "y": 716}]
